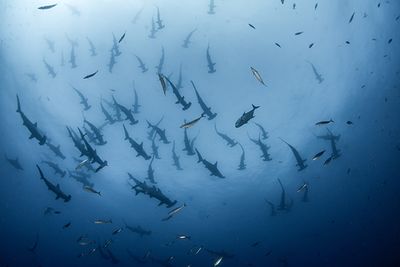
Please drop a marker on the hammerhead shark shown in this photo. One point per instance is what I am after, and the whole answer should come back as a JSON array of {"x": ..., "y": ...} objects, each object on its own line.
[
  {"x": 32, "y": 127},
  {"x": 72, "y": 58},
  {"x": 14, "y": 162},
  {"x": 213, "y": 168},
  {"x": 300, "y": 161},
  {"x": 84, "y": 100},
  {"x": 152, "y": 192},
  {"x": 54, "y": 188},
  {"x": 127, "y": 112},
  {"x": 230, "y": 141},
  {"x": 153, "y": 29},
  {"x": 154, "y": 148},
  {"x": 210, "y": 64},
  {"x": 206, "y": 110},
  {"x": 211, "y": 7},
  {"x": 242, "y": 164},
  {"x": 187, "y": 41},
  {"x": 112, "y": 61},
  {"x": 55, "y": 167},
  {"x": 264, "y": 133},
  {"x": 50, "y": 69},
  {"x": 263, "y": 147},
  {"x": 92, "y": 48},
  {"x": 159, "y": 132},
  {"x": 138, "y": 147},
  {"x": 92, "y": 154},
  {"x": 108, "y": 116},
  {"x": 159, "y": 21},
  {"x": 137, "y": 230},
  {"x": 97, "y": 133},
  {"x": 160, "y": 65},
  {"x": 141, "y": 66},
  {"x": 150, "y": 172},
  {"x": 56, "y": 149},
  {"x": 180, "y": 99},
  {"x": 136, "y": 105},
  {"x": 318, "y": 76},
  {"x": 175, "y": 158},
  {"x": 77, "y": 142},
  {"x": 189, "y": 144},
  {"x": 283, "y": 205}
]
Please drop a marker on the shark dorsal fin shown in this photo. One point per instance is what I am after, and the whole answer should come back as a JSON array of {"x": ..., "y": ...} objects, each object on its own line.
[
  {"x": 216, "y": 164},
  {"x": 58, "y": 186}
]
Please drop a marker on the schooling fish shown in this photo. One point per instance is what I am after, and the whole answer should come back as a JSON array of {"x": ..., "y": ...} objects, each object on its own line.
[
  {"x": 324, "y": 122},
  {"x": 117, "y": 231},
  {"x": 352, "y": 17},
  {"x": 252, "y": 26},
  {"x": 183, "y": 237},
  {"x": 218, "y": 261},
  {"x": 82, "y": 163},
  {"x": 257, "y": 75},
  {"x": 47, "y": 7},
  {"x": 122, "y": 37},
  {"x": 90, "y": 75},
  {"x": 318, "y": 155},
  {"x": 174, "y": 211},
  {"x": 298, "y": 33},
  {"x": 102, "y": 221},
  {"x": 302, "y": 187},
  {"x": 91, "y": 190},
  {"x": 191, "y": 123}
]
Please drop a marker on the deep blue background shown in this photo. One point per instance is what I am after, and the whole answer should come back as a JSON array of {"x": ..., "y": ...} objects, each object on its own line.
[{"x": 352, "y": 216}]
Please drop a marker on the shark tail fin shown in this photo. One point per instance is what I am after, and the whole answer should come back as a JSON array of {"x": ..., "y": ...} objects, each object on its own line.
[
  {"x": 199, "y": 155},
  {"x": 255, "y": 107},
  {"x": 40, "y": 172},
  {"x": 126, "y": 132},
  {"x": 18, "y": 105}
]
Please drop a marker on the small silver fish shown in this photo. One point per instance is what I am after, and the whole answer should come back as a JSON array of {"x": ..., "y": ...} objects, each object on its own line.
[
  {"x": 257, "y": 75},
  {"x": 102, "y": 221},
  {"x": 191, "y": 123},
  {"x": 117, "y": 231},
  {"x": 318, "y": 155},
  {"x": 218, "y": 261},
  {"x": 183, "y": 237},
  {"x": 302, "y": 187},
  {"x": 81, "y": 164},
  {"x": 91, "y": 190}
]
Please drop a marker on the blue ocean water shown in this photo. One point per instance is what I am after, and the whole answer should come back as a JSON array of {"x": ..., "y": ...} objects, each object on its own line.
[{"x": 199, "y": 133}]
